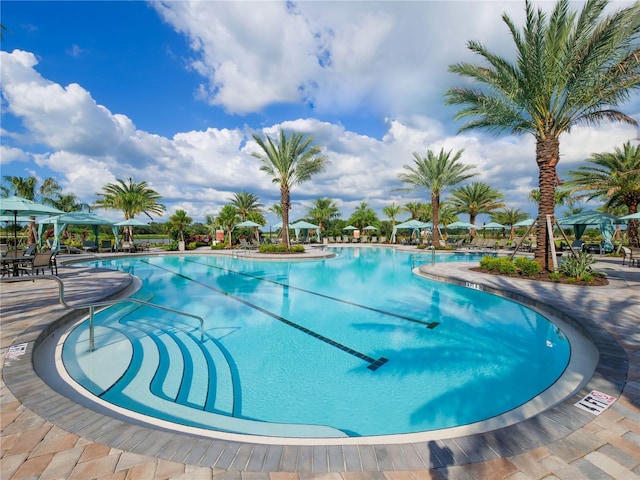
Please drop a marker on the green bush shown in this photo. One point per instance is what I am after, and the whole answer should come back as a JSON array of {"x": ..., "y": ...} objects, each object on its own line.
[
  {"x": 577, "y": 267},
  {"x": 280, "y": 248},
  {"x": 489, "y": 263},
  {"x": 191, "y": 246},
  {"x": 507, "y": 267},
  {"x": 218, "y": 246},
  {"x": 527, "y": 267}
]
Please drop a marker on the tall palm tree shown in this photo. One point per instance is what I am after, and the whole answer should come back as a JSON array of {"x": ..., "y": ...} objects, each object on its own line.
[
  {"x": 322, "y": 210},
  {"x": 570, "y": 69},
  {"x": 246, "y": 203},
  {"x": 476, "y": 199},
  {"x": 68, "y": 202},
  {"x": 561, "y": 196},
  {"x": 31, "y": 189},
  {"x": 509, "y": 216},
  {"x": 180, "y": 221},
  {"x": 227, "y": 219},
  {"x": 131, "y": 199},
  {"x": 435, "y": 173},
  {"x": 362, "y": 216},
  {"x": 613, "y": 177},
  {"x": 289, "y": 161},
  {"x": 392, "y": 211},
  {"x": 447, "y": 214}
]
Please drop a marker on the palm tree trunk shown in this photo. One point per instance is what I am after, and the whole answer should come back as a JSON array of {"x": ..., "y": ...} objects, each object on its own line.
[
  {"x": 435, "y": 204},
  {"x": 285, "y": 200},
  {"x": 547, "y": 156},
  {"x": 632, "y": 228}
]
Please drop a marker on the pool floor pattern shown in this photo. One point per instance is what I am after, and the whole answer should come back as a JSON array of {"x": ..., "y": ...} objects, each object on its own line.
[{"x": 45, "y": 433}]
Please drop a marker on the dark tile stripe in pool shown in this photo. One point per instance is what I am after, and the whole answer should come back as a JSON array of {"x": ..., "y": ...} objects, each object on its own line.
[
  {"x": 373, "y": 363},
  {"x": 430, "y": 325}
]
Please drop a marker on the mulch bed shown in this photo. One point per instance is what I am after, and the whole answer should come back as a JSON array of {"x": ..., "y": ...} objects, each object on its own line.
[{"x": 597, "y": 281}]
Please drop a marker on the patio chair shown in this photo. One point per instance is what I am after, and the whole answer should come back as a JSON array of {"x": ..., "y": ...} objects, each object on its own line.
[
  {"x": 30, "y": 250},
  {"x": 40, "y": 262},
  {"x": 374, "y": 239},
  {"x": 89, "y": 246}
]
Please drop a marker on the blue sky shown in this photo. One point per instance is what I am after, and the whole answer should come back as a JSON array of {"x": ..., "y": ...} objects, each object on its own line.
[{"x": 170, "y": 93}]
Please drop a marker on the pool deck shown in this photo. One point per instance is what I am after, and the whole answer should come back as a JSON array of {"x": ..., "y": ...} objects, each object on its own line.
[{"x": 47, "y": 436}]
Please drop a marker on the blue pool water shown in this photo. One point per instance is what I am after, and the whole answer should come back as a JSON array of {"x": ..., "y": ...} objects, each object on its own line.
[{"x": 349, "y": 346}]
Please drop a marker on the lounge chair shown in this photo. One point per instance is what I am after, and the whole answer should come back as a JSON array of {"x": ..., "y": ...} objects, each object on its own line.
[
  {"x": 374, "y": 239},
  {"x": 105, "y": 246},
  {"x": 578, "y": 245},
  {"x": 89, "y": 246}
]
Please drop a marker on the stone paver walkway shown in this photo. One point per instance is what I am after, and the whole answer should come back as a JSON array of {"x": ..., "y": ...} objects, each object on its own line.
[{"x": 46, "y": 436}]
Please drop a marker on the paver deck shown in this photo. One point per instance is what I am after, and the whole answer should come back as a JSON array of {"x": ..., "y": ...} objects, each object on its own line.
[{"x": 45, "y": 435}]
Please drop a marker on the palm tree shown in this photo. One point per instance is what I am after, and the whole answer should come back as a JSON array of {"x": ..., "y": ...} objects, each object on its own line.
[
  {"x": 68, "y": 202},
  {"x": 131, "y": 198},
  {"x": 180, "y": 221},
  {"x": 476, "y": 199},
  {"x": 322, "y": 210},
  {"x": 561, "y": 196},
  {"x": 447, "y": 214},
  {"x": 246, "y": 203},
  {"x": 613, "y": 177},
  {"x": 509, "y": 216},
  {"x": 435, "y": 173},
  {"x": 289, "y": 161},
  {"x": 362, "y": 216},
  {"x": 392, "y": 211},
  {"x": 227, "y": 219},
  {"x": 415, "y": 209},
  {"x": 27, "y": 187},
  {"x": 570, "y": 69}
]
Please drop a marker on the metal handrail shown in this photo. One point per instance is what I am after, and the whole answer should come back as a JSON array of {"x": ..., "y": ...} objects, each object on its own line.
[
  {"x": 418, "y": 255},
  {"x": 91, "y": 306}
]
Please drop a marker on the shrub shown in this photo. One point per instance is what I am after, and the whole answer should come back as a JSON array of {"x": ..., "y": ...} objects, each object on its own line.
[
  {"x": 527, "y": 266},
  {"x": 555, "y": 276},
  {"x": 219, "y": 246},
  {"x": 280, "y": 248},
  {"x": 489, "y": 263},
  {"x": 578, "y": 266},
  {"x": 191, "y": 246},
  {"x": 507, "y": 267}
]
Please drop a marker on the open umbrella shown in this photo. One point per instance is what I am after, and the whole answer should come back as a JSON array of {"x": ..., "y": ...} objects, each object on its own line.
[
  {"x": 132, "y": 222},
  {"x": 250, "y": 224},
  {"x": 370, "y": 227},
  {"x": 461, "y": 225},
  {"x": 21, "y": 206},
  {"x": 631, "y": 216},
  {"x": 492, "y": 225},
  {"x": 349, "y": 227},
  {"x": 524, "y": 223}
]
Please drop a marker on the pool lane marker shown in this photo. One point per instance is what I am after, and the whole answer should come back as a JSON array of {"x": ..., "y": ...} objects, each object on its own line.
[
  {"x": 373, "y": 363},
  {"x": 430, "y": 325}
]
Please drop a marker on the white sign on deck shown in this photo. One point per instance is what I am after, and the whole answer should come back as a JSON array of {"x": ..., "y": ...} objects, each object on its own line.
[
  {"x": 16, "y": 351},
  {"x": 596, "y": 402}
]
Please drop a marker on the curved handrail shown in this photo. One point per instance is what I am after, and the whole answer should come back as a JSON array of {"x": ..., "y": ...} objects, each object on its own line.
[{"x": 91, "y": 306}]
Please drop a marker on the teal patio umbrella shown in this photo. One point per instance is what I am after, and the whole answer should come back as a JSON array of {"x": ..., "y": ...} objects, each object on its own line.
[
  {"x": 24, "y": 207},
  {"x": 250, "y": 224},
  {"x": 131, "y": 222},
  {"x": 604, "y": 221}
]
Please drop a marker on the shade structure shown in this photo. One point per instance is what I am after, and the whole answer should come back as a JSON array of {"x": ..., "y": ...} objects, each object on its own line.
[
  {"x": 409, "y": 225},
  {"x": 132, "y": 222},
  {"x": 461, "y": 225},
  {"x": 302, "y": 225},
  {"x": 524, "y": 223},
  {"x": 492, "y": 225},
  {"x": 631, "y": 216},
  {"x": 349, "y": 227},
  {"x": 249, "y": 224},
  {"x": 21, "y": 206},
  {"x": 604, "y": 221},
  {"x": 18, "y": 219},
  {"x": 370, "y": 227},
  {"x": 60, "y": 223}
]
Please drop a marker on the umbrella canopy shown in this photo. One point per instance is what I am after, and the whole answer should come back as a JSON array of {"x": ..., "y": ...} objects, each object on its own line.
[
  {"x": 492, "y": 225},
  {"x": 349, "y": 227},
  {"x": 132, "y": 222},
  {"x": 247, "y": 223},
  {"x": 21, "y": 206},
  {"x": 60, "y": 223},
  {"x": 410, "y": 224},
  {"x": 631, "y": 216},
  {"x": 524, "y": 223},
  {"x": 461, "y": 225},
  {"x": 370, "y": 227},
  {"x": 11, "y": 218}
]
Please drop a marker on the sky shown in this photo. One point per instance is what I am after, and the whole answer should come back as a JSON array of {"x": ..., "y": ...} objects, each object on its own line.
[{"x": 171, "y": 92}]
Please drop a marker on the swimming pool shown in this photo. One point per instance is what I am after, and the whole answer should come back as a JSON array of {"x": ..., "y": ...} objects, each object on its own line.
[{"x": 350, "y": 346}]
